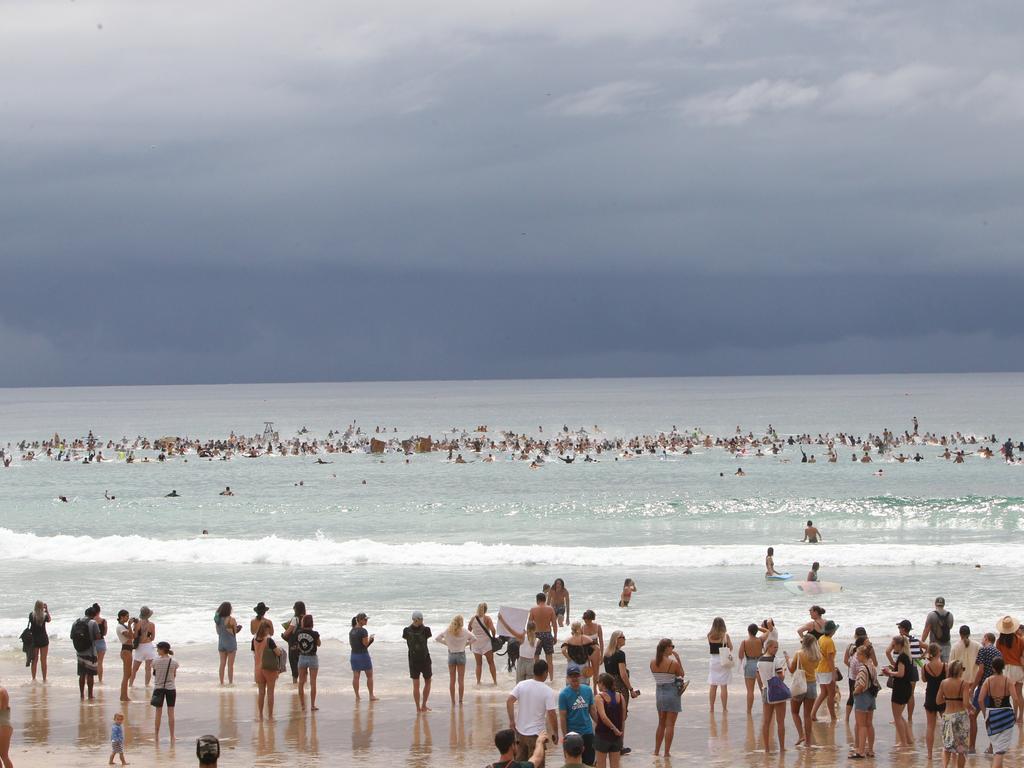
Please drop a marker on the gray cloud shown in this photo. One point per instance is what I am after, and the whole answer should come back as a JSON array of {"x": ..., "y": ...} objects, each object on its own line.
[{"x": 177, "y": 185}]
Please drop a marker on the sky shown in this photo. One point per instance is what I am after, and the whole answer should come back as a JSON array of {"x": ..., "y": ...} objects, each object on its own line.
[{"x": 269, "y": 192}]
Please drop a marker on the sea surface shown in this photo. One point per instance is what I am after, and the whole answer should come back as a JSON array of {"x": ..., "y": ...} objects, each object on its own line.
[{"x": 434, "y": 536}]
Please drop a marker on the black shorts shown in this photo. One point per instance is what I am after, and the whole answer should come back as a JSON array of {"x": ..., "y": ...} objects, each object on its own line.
[
  {"x": 545, "y": 643},
  {"x": 163, "y": 696},
  {"x": 611, "y": 745},
  {"x": 420, "y": 668}
]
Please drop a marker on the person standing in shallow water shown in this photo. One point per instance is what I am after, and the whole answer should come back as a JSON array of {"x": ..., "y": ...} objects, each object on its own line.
[
  {"x": 227, "y": 642},
  {"x": 416, "y": 636},
  {"x": 37, "y": 621},
  {"x": 359, "y": 641}
]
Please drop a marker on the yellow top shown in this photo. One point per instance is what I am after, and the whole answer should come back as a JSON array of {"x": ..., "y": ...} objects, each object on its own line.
[{"x": 828, "y": 653}]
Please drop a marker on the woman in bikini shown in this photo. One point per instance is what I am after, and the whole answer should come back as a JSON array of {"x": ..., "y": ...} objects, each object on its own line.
[{"x": 954, "y": 696}]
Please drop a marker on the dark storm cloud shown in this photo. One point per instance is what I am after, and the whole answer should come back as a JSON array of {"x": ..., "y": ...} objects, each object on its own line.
[{"x": 467, "y": 190}]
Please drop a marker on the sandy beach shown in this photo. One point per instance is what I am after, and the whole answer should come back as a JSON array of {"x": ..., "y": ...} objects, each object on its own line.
[{"x": 52, "y": 726}]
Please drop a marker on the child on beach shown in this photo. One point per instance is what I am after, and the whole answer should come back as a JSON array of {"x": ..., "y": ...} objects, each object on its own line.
[
  {"x": 117, "y": 739},
  {"x": 628, "y": 588}
]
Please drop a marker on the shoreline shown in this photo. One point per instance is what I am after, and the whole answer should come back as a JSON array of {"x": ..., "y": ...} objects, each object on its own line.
[{"x": 52, "y": 724}]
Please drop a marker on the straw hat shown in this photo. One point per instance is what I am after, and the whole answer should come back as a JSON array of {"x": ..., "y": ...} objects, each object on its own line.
[{"x": 1007, "y": 625}]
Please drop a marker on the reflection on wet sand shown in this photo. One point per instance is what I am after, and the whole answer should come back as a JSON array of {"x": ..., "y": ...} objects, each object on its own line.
[
  {"x": 362, "y": 728},
  {"x": 37, "y": 725},
  {"x": 421, "y": 747}
]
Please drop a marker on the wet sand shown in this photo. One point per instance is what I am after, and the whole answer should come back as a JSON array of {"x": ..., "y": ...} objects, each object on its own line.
[{"x": 53, "y": 727}]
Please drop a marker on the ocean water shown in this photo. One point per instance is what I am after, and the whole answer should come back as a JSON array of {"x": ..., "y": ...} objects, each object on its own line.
[{"x": 439, "y": 537}]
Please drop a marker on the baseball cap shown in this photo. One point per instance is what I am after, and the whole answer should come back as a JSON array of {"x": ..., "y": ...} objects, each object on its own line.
[
  {"x": 940, "y": 601},
  {"x": 905, "y": 624},
  {"x": 572, "y": 669},
  {"x": 417, "y": 616},
  {"x": 573, "y": 744},
  {"x": 207, "y": 749}
]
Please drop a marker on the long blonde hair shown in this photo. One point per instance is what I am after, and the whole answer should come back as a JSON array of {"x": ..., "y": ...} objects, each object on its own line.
[
  {"x": 38, "y": 613},
  {"x": 455, "y": 628},
  {"x": 481, "y": 609},
  {"x": 809, "y": 647},
  {"x": 717, "y": 628},
  {"x": 576, "y": 628},
  {"x": 613, "y": 643},
  {"x": 531, "y": 632}
]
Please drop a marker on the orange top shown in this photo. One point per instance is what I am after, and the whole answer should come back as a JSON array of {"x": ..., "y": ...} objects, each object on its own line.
[{"x": 1012, "y": 655}]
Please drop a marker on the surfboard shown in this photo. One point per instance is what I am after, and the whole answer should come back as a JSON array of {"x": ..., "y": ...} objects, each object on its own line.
[
  {"x": 779, "y": 577},
  {"x": 813, "y": 587}
]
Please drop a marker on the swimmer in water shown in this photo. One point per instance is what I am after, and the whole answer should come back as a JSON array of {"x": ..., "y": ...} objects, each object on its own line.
[
  {"x": 740, "y": 472},
  {"x": 227, "y": 491},
  {"x": 108, "y": 497},
  {"x": 811, "y": 534},
  {"x": 63, "y": 498},
  {"x": 172, "y": 495},
  {"x": 769, "y": 563}
]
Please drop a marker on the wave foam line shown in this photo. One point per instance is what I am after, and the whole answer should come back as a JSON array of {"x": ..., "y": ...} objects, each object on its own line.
[{"x": 322, "y": 550}]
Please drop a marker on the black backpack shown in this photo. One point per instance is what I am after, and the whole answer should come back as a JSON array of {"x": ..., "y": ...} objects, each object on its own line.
[{"x": 81, "y": 637}]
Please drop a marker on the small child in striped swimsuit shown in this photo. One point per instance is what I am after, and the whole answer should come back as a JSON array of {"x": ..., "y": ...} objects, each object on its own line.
[{"x": 117, "y": 739}]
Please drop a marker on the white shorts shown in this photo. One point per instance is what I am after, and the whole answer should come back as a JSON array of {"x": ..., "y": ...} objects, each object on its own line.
[
  {"x": 145, "y": 652},
  {"x": 1014, "y": 673},
  {"x": 825, "y": 678}
]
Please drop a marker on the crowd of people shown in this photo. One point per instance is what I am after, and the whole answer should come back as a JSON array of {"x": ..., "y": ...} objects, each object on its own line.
[
  {"x": 964, "y": 681},
  {"x": 566, "y": 445}
]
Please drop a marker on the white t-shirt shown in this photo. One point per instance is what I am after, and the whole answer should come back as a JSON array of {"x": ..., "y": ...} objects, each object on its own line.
[
  {"x": 456, "y": 643},
  {"x": 535, "y": 700}
]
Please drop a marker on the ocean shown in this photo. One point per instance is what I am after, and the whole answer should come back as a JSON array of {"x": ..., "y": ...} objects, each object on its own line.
[{"x": 440, "y": 537}]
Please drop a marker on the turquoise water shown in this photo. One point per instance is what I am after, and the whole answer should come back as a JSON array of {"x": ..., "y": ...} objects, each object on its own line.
[{"x": 442, "y": 537}]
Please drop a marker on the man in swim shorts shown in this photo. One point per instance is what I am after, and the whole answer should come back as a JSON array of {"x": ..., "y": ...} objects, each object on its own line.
[
  {"x": 543, "y": 617},
  {"x": 811, "y": 534},
  {"x": 416, "y": 636}
]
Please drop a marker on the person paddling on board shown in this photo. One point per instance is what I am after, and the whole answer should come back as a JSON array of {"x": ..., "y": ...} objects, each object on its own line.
[{"x": 811, "y": 534}]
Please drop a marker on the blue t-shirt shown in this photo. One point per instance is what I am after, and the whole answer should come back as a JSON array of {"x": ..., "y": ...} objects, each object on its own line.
[{"x": 576, "y": 705}]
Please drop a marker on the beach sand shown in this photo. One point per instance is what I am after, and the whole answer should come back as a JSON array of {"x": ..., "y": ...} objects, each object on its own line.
[{"x": 53, "y": 727}]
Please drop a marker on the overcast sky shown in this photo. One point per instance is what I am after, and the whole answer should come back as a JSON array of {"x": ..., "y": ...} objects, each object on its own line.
[{"x": 226, "y": 192}]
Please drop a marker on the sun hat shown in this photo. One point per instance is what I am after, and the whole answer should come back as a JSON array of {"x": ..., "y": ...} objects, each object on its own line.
[
  {"x": 1007, "y": 625},
  {"x": 261, "y": 607}
]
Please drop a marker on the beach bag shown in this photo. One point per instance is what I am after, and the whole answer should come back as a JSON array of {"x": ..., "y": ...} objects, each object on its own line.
[
  {"x": 681, "y": 684},
  {"x": 27, "y": 644},
  {"x": 798, "y": 685},
  {"x": 270, "y": 662},
  {"x": 496, "y": 642},
  {"x": 81, "y": 637},
  {"x": 778, "y": 690},
  {"x": 725, "y": 658}
]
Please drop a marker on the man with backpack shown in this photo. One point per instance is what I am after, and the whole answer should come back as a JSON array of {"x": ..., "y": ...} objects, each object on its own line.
[
  {"x": 84, "y": 634},
  {"x": 939, "y": 627}
]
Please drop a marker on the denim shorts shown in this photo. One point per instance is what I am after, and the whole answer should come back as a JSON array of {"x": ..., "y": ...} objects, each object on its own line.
[
  {"x": 309, "y": 662},
  {"x": 667, "y": 698},
  {"x": 864, "y": 702},
  {"x": 750, "y": 668},
  {"x": 456, "y": 658}
]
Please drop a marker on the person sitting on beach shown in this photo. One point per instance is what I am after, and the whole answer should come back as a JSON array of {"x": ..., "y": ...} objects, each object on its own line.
[
  {"x": 506, "y": 743},
  {"x": 811, "y": 534},
  {"x": 543, "y": 617}
]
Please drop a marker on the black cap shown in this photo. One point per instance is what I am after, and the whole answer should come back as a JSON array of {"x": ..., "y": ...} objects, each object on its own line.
[
  {"x": 261, "y": 607},
  {"x": 905, "y": 624},
  {"x": 573, "y": 744}
]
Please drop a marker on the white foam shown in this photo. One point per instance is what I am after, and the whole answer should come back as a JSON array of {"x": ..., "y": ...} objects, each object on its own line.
[{"x": 323, "y": 550}]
